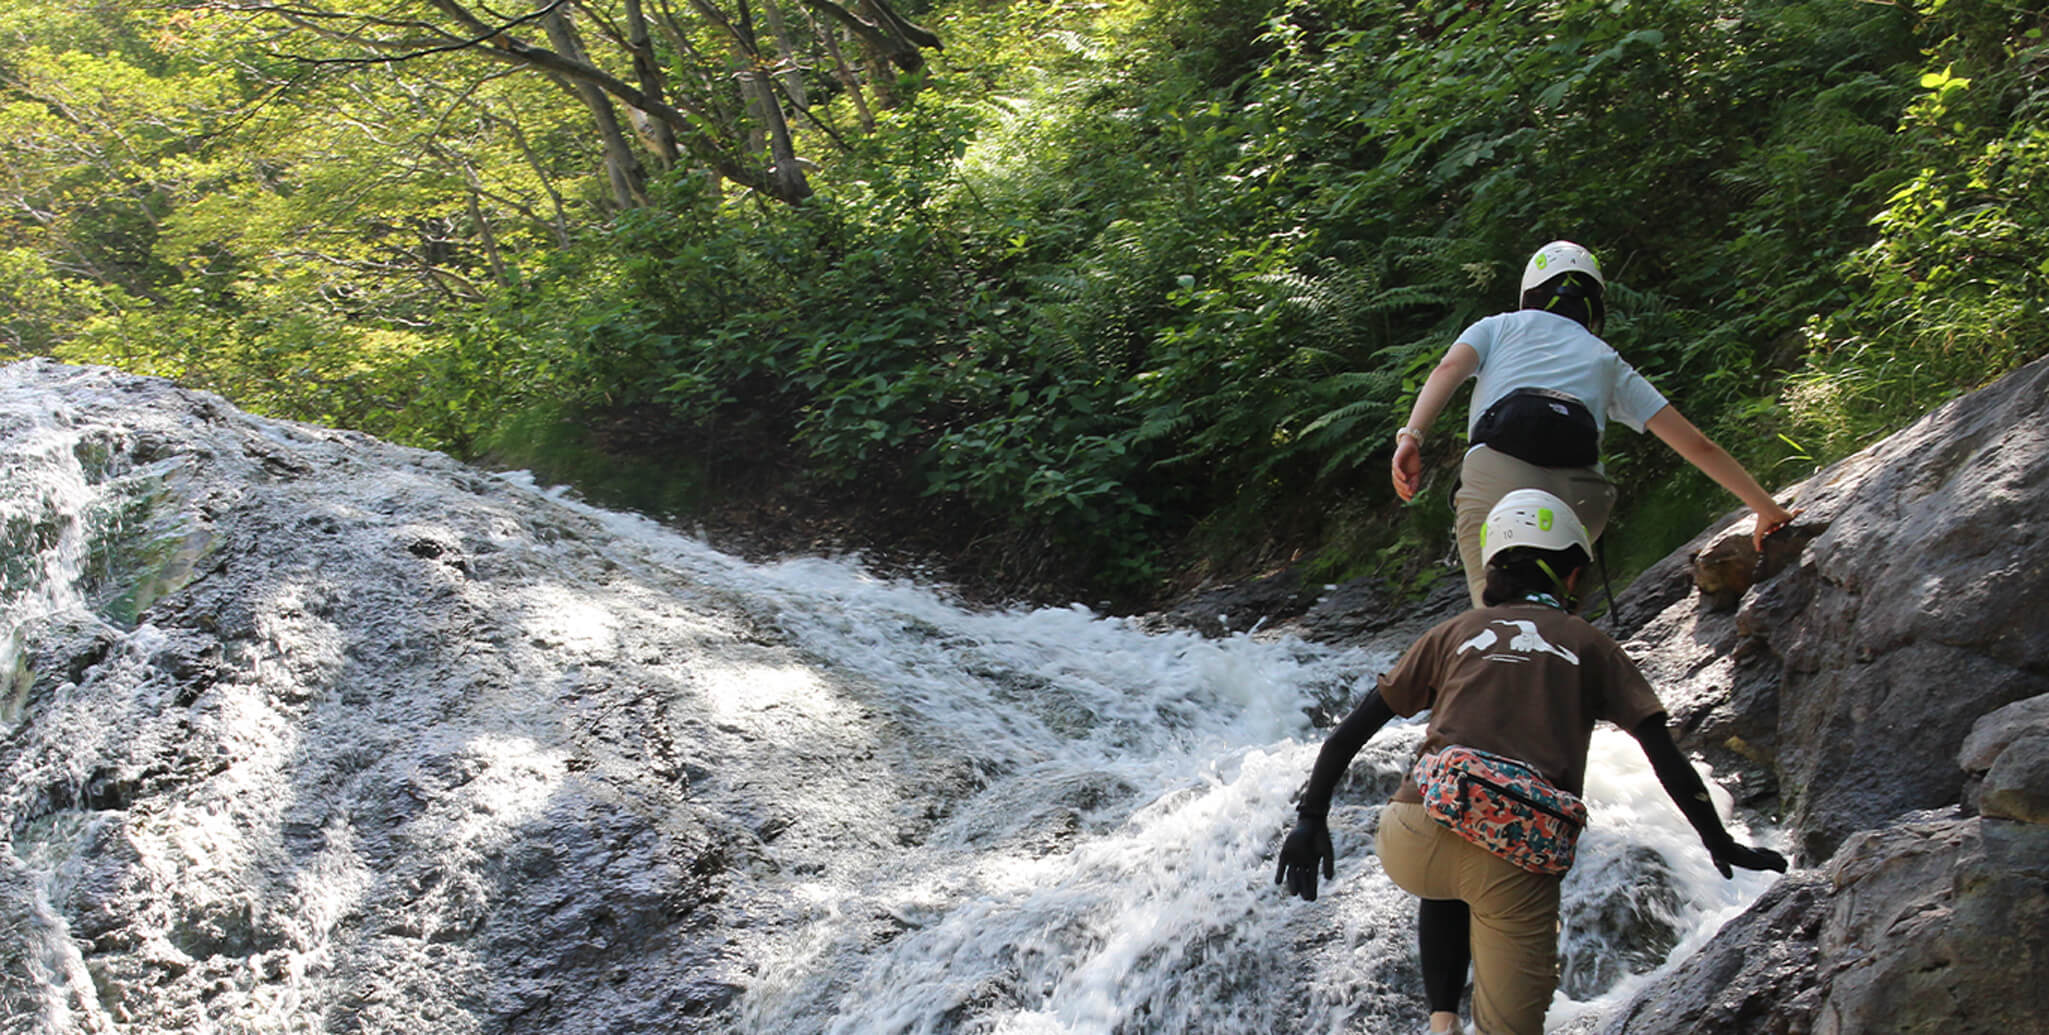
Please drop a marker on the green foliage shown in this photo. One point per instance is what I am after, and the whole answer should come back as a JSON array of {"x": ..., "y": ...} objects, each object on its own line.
[
  {"x": 1955, "y": 290},
  {"x": 560, "y": 447},
  {"x": 306, "y": 241},
  {"x": 38, "y": 305},
  {"x": 1135, "y": 284},
  {"x": 320, "y": 370},
  {"x": 1111, "y": 278}
]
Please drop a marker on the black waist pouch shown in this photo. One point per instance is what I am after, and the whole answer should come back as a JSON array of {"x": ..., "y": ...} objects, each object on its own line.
[{"x": 1542, "y": 427}]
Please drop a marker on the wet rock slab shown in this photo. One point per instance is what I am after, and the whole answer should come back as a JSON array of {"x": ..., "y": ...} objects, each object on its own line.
[{"x": 300, "y": 728}]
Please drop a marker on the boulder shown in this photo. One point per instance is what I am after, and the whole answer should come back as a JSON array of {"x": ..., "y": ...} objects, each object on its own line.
[
  {"x": 1898, "y": 629},
  {"x": 1939, "y": 923},
  {"x": 1841, "y": 688},
  {"x": 1879, "y": 690},
  {"x": 2020, "y": 787},
  {"x": 1731, "y": 563},
  {"x": 2017, "y": 786},
  {"x": 1758, "y": 976},
  {"x": 1997, "y": 729}
]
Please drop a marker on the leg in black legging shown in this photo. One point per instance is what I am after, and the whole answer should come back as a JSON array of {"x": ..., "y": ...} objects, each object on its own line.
[{"x": 1442, "y": 941}]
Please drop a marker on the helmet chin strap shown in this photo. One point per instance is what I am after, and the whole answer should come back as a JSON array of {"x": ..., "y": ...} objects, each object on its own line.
[
  {"x": 1591, "y": 300},
  {"x": 1564, "y": 600}
]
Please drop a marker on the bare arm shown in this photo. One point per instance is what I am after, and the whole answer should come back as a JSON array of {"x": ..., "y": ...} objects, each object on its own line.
[
  {"x": 1676, "y": 431},
  {"x": 1458, "y": 363}
]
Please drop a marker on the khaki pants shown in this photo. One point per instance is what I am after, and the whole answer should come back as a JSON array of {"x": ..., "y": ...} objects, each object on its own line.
[
  {"x": 1514, "y": 928},
  {"x": 1488, "y": 474}
]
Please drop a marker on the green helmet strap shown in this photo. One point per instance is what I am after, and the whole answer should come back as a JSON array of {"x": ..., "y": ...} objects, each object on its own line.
[{"x": 1568, "y": 601}]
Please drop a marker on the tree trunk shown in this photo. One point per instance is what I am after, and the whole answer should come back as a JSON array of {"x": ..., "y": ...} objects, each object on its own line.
[
  {"x": 690, "y": 121},
  {"x": 792, "y": 74},
  {"x": 785, "y": 173},
  {"x": 489, "y": 238},
  {"x": 845, "y": 74},
  {"x": 883, "y": 32},
  {"x": 784, "y": 179},
  {"x": 791, "y": 184},
  {"x": 622, "y": 166},
  {"x": 660, "y": 135}
]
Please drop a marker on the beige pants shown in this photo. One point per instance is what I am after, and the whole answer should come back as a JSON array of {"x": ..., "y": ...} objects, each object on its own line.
[
  {"x": 1514, "y": 915},
  {"x": 1488, "y": 474}
]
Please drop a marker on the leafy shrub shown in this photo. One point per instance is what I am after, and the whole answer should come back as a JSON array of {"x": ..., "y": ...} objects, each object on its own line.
[
  {"x": 1120, "y": 276},
  {"x": 1181, "y": 266},
  {"x": 1951, "y": 295}
]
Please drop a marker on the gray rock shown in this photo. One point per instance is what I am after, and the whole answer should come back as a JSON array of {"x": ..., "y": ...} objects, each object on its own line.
[
  {"x": 1894, "y": 668},
  {"x": 2017, "y": 787},
  {"x": 1221, "y": 610},
  {"x": 1996, "y": 729},
  {"x": 1756, "y": 978},
  {"x": 1364, "y": 611},
  {"x": 1842, "y": 688},
  {"x": 1900, "y": 629},
  {"x": 339, "y": 734},
  {"x": 1937, "y": 924}
]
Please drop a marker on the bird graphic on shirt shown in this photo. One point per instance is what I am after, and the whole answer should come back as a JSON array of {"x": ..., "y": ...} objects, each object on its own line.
[{"x": 1525, "y": 642}]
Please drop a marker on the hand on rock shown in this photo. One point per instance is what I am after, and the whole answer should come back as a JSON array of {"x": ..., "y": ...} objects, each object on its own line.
[
  {"x": 1769, "y": 525},
  {"x": 1748, "y": 858}
]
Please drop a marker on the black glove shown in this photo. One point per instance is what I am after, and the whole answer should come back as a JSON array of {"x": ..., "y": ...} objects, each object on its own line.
[
  {"x": 1308, "y": 842},
  {"x": 1733, "y": 854}
]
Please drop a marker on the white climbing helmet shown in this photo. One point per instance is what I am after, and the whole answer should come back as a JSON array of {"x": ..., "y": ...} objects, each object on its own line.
[
  {"x": 1561, "y": 257},
  {"x": 1531, "y": 517}
]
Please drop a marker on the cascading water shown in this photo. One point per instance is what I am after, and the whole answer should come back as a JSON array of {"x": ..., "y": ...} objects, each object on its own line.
[
  {"x": 42, "y": 515},
  {"x": 1109, "y": 869},
  {"x": 50, "y": 514},
  {"x": 305, "y": 732}
]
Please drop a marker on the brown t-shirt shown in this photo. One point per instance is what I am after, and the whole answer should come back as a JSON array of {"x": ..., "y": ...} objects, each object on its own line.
[{"x": 1521, "y": 679}]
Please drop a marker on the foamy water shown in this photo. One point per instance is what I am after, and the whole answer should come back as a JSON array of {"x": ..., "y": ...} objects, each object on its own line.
[
  {"x": 1173, "y": 760},
  {"x": 1078, "y": 836}
]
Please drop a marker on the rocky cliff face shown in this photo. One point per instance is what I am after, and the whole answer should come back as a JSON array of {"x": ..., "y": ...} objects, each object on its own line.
[{"x": 1883, "y": 689}]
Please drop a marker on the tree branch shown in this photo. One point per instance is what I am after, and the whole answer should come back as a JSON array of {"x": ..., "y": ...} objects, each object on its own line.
[{"x": 308, "y": 18}]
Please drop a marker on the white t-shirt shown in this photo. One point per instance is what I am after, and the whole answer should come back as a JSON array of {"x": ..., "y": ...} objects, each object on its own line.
[{"x": 1530, "y": 348}]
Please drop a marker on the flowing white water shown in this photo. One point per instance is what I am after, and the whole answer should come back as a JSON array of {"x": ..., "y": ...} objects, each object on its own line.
[
  {"x": 1108, "y": 868},
  {"x": 1027, "y": 821},
  {"x": 46, "y": 506},
  {"x": 42, "y": 518}
]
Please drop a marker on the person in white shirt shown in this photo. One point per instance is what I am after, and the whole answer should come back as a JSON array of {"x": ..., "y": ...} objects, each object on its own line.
[{"x": 1547, "y": 387}]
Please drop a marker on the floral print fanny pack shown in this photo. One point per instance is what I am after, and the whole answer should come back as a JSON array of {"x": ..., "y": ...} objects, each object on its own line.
[{"x": 1502, "y": 805}]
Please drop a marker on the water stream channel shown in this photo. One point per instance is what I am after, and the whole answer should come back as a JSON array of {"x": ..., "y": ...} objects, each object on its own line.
[{"x": 300, "y": 731}]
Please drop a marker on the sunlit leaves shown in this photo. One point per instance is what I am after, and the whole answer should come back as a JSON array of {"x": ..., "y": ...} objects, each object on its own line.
[
  {"x": 1110, "y": 273},
  {"x": 1952, "y": 292}
]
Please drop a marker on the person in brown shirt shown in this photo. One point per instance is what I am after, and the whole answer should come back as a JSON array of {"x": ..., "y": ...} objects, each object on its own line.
[{"x": 1524, "y": 677}]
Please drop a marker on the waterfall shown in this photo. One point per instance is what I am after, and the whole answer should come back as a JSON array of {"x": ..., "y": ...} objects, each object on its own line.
[
  {"x": 308, "y": 732},
  {"x": 42, "y": 515}
]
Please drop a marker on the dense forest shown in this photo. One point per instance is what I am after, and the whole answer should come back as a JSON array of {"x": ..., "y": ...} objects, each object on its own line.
[{"x": 1089, "y": 297}]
